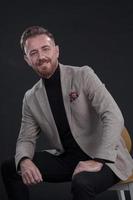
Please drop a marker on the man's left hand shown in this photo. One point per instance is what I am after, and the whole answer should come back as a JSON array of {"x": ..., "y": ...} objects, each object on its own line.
[{"x": 88, "y": 166}]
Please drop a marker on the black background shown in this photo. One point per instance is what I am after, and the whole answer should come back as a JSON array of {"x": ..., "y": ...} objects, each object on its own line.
[{"x": 94, "y": 33}]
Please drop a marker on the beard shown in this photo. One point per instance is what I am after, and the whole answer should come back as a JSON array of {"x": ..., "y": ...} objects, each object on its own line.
[{"x": 46, "y": 68}]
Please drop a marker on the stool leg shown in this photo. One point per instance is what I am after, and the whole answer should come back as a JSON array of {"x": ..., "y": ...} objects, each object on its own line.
[
  {"x": 131, "y": 190},
  {"x": 121, "y": 194}
]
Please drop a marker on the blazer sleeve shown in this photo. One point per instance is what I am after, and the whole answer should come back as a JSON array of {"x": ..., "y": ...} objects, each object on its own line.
[
  {"x": 28, "y": 134},
  {"x": 108, "y": 112}
]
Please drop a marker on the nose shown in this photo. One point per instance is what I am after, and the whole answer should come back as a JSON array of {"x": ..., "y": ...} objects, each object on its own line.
[{"x": 41, "y": 55}]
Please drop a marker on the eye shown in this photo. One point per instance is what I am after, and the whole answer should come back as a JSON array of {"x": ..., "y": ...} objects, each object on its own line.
[
  {"x": 46, "y": 49},
  {"x": 33, "y": 53}
]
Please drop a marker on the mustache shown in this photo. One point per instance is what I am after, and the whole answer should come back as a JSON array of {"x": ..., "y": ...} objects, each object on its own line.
[{"x": 42, "y": 61}]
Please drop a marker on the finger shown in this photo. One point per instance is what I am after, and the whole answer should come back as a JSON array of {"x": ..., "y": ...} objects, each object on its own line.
[
  {"x": 29, "y": 180},
  {"x": 96, "y": 167},
  {"x": 86, "y": 168},
  {"x": 26, "y": 179},
  {"x": 39, "y": 174},
  {"x": 77, "y": 170},
  {"x": 30, "y": 177},
  {"x": 91, "y": 166},
  {"x": 36, "y": 176}
]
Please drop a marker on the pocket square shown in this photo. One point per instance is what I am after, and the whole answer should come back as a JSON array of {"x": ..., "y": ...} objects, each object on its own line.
[{"x": 73, "y": 96}]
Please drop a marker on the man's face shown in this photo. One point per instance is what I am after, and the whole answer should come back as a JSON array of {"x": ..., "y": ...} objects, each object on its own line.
[{"x": 41, "y": 54}]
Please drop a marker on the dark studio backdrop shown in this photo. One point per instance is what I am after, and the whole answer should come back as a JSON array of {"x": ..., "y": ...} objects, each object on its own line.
[{"x": 94, "y": 33}]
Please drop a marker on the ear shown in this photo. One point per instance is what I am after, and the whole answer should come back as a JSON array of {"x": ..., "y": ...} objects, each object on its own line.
[
  {"x": 57, "y": 51},
  {"x": 27, "y": 60}
]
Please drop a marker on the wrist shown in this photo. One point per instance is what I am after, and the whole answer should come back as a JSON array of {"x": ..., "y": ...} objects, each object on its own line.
[{"x": 23, "y": 160}]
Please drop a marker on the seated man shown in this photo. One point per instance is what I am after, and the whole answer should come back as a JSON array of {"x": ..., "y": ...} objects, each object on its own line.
[{"x": 81, "y": 123}]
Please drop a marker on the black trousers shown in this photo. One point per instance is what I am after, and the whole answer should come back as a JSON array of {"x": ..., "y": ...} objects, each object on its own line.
[{"x": 85, "y": 185}]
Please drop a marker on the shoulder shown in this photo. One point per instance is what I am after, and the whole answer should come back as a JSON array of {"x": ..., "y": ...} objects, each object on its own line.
[
  {"x": 82, "y": 72},
  {"x": 76, "y": 69}
]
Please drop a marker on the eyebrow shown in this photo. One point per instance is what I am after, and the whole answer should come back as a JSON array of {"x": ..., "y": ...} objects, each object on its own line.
[
  {"x": 41, "y": 48},
  {"x": 44, "y": 46}
]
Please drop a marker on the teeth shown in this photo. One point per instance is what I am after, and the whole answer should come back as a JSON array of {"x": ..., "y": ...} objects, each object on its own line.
[{"x": 41, "y": 63}]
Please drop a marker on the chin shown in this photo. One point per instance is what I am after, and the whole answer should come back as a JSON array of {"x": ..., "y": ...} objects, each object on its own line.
[{"x": 45, "y": 75}]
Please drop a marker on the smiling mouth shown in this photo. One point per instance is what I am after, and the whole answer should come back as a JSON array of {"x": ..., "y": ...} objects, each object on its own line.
[{"x": 41, "y": 62}]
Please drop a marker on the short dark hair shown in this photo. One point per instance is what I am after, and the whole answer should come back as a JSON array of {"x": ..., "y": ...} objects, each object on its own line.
[{"x": 34, "y": 31}]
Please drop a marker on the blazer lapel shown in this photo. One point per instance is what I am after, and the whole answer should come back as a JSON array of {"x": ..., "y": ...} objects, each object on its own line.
[
  {"x": 42, "y": 98},
  {"x": 66, "y": 80}
]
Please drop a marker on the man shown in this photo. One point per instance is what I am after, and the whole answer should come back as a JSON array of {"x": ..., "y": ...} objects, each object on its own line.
[{"x": 81, "y": 123}]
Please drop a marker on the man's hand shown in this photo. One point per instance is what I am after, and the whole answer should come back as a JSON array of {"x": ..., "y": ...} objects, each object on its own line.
[
  {"x": 30, "y": 173},
  {"x": 88, "y": 166}
]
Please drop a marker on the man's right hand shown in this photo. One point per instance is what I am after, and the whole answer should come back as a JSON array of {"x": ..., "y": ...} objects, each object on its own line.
[{"x": 30, "y": 173}]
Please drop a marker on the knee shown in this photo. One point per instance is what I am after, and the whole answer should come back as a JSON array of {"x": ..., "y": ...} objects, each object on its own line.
[
  {"x": 81, "y": 182},
  {"x": 82, "y": 186}
]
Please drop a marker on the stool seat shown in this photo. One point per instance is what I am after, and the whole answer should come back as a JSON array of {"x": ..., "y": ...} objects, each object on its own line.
[{"x": 129, "y": 180}]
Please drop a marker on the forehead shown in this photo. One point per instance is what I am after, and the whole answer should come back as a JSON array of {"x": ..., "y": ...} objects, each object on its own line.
[{"x": 38, "y": 41}]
